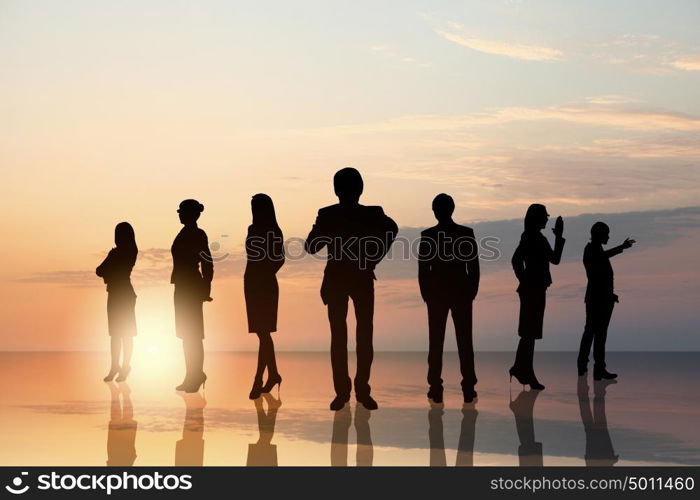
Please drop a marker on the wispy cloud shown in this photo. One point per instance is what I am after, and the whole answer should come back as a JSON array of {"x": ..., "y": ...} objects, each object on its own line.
[
  {"x": 651, "y": 54},
  {"x": 639, "y": 118},
  {"x": 393, "y": 54},
  {"x": 501, "y": 48},
  {"x": 687, "y": 63}
]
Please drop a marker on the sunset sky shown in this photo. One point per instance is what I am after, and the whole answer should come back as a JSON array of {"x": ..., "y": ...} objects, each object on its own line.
[{"x": 114, "y": 111}]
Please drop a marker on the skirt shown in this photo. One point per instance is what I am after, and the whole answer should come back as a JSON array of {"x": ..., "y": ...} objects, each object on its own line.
[
  {"x": 261, "y": 299},
  {"x": 189, "y": 317},
  {"x": 532, "y": 304},
  {"x": 121, "y": 313}
]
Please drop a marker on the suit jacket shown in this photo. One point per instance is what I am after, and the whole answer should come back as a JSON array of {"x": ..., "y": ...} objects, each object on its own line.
[
  {"x": 532, "y": 258},
  {"x": 448, "y": 263},
  {"x": 599, "y": 272},
  {"x": 115, "y": 270},
  {"x": 192, "y": 262},
  {"x": 357, "y": 238}
]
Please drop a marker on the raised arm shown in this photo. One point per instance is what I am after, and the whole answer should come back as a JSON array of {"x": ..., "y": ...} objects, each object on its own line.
[
  {"x": 555, "y": 256},
  {"x": 611, "y": 252}
]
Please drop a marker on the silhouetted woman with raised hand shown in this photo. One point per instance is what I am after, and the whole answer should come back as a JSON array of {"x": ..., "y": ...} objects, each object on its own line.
[
  {"x": 265, "y": 254},
  {"x": 531, "y": 266},
  {"x": 115, "y": 270},
  {"x": 193, "y": 271}
]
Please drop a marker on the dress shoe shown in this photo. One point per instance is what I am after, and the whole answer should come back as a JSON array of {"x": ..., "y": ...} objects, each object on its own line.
[
  {"x": 435, "y": 394},
  {"x": 469, "y": 395},
  {"x": 368, "y": 402},
  {"x": 603, "y": 375},
  {"x": 339, "y": 402}
]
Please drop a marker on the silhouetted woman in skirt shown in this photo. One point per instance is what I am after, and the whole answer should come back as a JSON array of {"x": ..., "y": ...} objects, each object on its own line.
[
  {"x": 265, "y": 256},
  {"x": 115, "y": 270},
  {"x": 531, "y": 266}
]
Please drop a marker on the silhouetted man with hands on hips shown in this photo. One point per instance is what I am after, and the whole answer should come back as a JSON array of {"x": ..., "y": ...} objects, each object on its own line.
[
  {"x": 448, "y": 275},
  {"x": 357, "y": 238}
]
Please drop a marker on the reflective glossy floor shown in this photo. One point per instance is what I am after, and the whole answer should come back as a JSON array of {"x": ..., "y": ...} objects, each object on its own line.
[{"x": 55, "y": 410}]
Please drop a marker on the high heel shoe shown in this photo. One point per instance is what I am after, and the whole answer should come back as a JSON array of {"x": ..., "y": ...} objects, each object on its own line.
[
  {"x": 518, "y": 376},
  {"x": 123, "y": 373},
  {"x": 272, "y": 381},
  {"x": 534, "y": 384},
  {"x": 257, "y": 389},
  {"x": 186, "y": 383},
  {"x": 194, "y": 385},
  {"x": 112, "y": 373}
]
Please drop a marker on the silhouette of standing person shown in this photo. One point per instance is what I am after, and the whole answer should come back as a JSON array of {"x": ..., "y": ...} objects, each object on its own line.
[
  {"x": 357, "y": 238},
  {"x": 448, "y": 275},
  {"x": 264, "y": 453},
  {"x": 121, "y": 434},
  {"x": 115, "y": 270},
  {"x": 529, "y": 451},
  {"x": 265, "y": 256},
  {"x": 531, "y": 266},
  {"x": 193, "y": 271},
  {"x": 599, "y": 447},
  {"x": 600, "y": 299}
]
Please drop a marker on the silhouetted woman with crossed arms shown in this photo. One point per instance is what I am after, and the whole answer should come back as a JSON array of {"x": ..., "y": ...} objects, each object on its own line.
[
  {"x": 115, "y": 270},
  {"x": 265, "y": 253},
  {"x": 193, "y": 271},
  {"x": 531, "y": 266}
]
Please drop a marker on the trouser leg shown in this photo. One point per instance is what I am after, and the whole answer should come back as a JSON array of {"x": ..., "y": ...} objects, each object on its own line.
[
  {"x": 587, "y": 337},
  {"x": 337, "y": 314},
  {"x": 462, "y": 318},
  {"x": 437, "y": 319},
  {"x": 601, "y": 335},
  {"x": 363, "y": 303}
]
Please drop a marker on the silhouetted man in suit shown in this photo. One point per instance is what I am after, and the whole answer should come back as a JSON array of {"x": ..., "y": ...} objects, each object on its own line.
[
  {"x": 448, "y": 275},
  {"x": 357, "y": 238},
  {"x": 600, "y": 299}
]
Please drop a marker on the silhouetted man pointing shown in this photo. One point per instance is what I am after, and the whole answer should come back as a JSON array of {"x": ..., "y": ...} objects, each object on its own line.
[
  {"x": 357, "y": 238},
  {"x": 600, "y": 299}
]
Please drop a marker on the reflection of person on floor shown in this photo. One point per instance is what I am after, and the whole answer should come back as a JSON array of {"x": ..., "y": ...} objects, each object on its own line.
[
  {"x": 529, "y": 451},
  {"x": 121, "y": 434},
  {"x": 599, "y": 447},
  {"x": 189, "y": 451},
  {"x": 465, "y": 448},
  {"x": 339, "y": 439},
  {"x": 264, "y": 453},
  {"x": 365, "y": 450}
]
